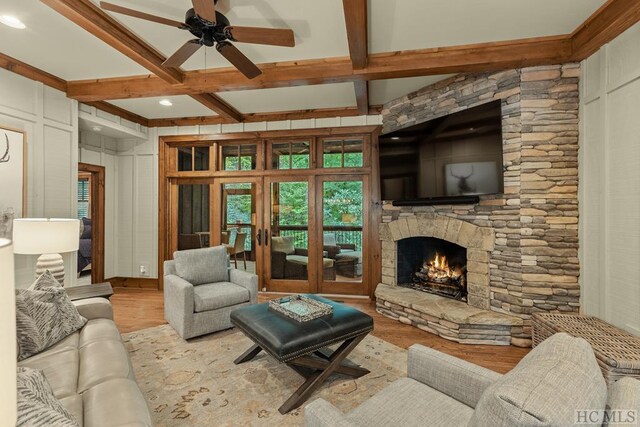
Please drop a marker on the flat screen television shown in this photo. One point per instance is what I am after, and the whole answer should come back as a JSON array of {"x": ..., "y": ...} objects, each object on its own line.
[{"x": 456, "y": 155}]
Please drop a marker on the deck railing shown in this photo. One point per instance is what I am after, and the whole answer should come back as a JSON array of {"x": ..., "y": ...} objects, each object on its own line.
[{"x": 344, "y": 234}]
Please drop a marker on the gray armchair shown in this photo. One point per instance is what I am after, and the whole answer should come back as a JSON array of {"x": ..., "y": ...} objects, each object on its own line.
[
  {"x": 548, "y": 387},
  {"x": 201, "y": 291}
]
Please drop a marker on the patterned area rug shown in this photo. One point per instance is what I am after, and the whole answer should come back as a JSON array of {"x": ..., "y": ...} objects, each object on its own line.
[{"x": 196, "y": 382}]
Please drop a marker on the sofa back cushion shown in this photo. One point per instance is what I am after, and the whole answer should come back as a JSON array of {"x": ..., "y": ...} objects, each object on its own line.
[
  {"x": 283, "y": 244},
  {"x": 44, "y": 316},
  {"x": 547, "y": 388},
  {"x": 329, "y": 239},
  {"x": 201, "y": 266}
]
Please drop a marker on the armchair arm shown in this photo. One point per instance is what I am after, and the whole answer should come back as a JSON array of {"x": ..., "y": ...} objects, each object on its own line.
[
  {"x": 248, "y": 281},
  {"x": 332, "y": 251},
  {"x": 178, "y": 301},
  {"x": 321, "y": 413},
  {"x": 94, "y": 308},
  {"x": 301, "y": 252},
  {"x": 624, "y": 395},
  {"x": 454, "y": 377},
  {"x": 348, "y": 246}
]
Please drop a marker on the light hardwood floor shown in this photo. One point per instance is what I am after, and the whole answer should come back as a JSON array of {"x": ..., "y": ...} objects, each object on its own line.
[{"x": 136, "y": 309}]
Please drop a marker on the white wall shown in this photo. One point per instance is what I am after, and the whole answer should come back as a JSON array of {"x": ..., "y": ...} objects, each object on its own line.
[
  {"x": 610, "y": 182},
  {"x": 50, "y": 120}
]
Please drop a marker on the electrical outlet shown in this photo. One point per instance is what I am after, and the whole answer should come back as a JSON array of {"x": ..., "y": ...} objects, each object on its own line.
[{"x": 144, "y": 270}]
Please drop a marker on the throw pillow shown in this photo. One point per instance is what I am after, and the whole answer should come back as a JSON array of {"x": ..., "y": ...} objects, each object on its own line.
[
  {"x": 547, "y": 387},
  {"x": 44, "y": 316},
  {"x": 203, "y": 266},
  {"x": 283, "y": 244},
  {"x": 86, "y": 228},
  {"x": 37, "y": 406}
]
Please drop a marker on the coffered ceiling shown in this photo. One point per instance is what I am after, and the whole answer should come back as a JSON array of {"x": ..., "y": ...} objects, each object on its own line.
[{"x": 53, "y": 43}]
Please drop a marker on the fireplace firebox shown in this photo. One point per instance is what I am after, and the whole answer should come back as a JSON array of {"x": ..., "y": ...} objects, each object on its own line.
[{"x": 433, "y": 265}]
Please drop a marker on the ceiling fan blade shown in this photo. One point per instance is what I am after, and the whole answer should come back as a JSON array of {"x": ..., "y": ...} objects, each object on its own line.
[
  {"x": 269, "y": 36},
  {"x": 205, "y": 9},
  {"x": 141, "y": 15},
  {"x": 182, "y": 54},
  {"x": 238, "y": 59}
]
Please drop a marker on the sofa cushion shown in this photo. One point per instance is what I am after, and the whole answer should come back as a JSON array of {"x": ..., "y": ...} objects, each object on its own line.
[
  {"x": 407, "y": 402},
  {"x": 73, "y": 404},
  {"x": 116, "y": 402},
  {"x": 283, "y": 244},
  {"x": 101, "y": 361},
  {"x": 98, "y": 330},
  {"x": 44, "y": 316},
  {"x": 200, "y": 266},
  {"x": 329, "y": 239},
  {"x": 60, "y": 368},
  {"x": 623, "y": 396},
  {"x": 547, "y": 387},
  {"x": 37, "y": 406},
  {"x": 218, "y": 295},
  {"x": 304, "y": 260}
]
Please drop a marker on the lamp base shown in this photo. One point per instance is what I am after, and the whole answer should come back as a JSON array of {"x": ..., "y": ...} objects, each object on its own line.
[{"x": 52, "y": 262}]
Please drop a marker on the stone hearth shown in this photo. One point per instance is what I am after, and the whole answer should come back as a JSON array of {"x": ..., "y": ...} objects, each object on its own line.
[{"x": 531, "y": 263}]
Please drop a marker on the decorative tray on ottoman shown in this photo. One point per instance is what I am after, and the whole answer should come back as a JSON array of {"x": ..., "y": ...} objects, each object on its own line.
[{"x": 300, "y": 308}]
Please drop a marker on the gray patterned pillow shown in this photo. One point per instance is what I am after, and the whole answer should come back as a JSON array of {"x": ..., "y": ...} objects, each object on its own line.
[
  {"x": 37, "y": 406},
  {"x": 44, "y": 316}
]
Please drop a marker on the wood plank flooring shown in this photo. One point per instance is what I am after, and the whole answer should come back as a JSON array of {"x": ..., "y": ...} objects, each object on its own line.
[{"x": 136, "y": 309}]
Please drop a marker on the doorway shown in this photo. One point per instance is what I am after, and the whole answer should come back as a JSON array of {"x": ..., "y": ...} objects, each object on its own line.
[{"x": 91, "y": 200}]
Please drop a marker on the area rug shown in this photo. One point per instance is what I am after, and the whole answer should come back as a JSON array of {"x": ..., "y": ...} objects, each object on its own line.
[{"x": 196, "y": 382}]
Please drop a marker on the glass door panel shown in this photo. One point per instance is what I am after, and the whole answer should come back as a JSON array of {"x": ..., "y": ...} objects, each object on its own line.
[
  {"x": 289, "y": 235},
  {"x": 343, "y": 222},
  {"x": 238, "y": 221},
  {"x": 193, "y": 216}
]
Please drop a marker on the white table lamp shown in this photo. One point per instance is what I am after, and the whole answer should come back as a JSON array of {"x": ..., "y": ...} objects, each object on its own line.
[
  {"x": 47, "y": 238},
  {"x": 7, "y": 335}
]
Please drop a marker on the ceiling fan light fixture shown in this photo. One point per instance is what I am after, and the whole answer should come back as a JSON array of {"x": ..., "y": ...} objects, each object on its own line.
[
  {"x": 12, "y": 21},
  {"x": 97, "y": 128},
  {"x": 166, "y": 103}
]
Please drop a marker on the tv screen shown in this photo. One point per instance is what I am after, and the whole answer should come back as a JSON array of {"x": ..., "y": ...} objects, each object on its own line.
[{"x": 456, "y": 155}]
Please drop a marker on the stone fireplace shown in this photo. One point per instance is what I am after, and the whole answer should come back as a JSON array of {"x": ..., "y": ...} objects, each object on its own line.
[{"x": 522, "y": 245}]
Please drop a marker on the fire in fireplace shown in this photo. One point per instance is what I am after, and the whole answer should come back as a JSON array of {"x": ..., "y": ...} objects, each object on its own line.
[{"x": 433, "y": 265}]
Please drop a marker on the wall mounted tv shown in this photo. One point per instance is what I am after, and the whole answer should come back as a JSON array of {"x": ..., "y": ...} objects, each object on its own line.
[{"x": 455, "y": 156}]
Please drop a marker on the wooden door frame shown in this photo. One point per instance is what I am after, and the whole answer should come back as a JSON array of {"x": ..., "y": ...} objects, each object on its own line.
[{"x": 97, "y": 198}]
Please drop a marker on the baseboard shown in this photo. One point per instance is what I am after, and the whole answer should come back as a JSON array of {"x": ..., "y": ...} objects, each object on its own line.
[{"x": 134, "y": 282}]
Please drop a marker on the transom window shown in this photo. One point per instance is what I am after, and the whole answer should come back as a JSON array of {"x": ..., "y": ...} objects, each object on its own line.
[
  {"x": 290, "y": 155},
  {"x": 241, "y": 157},
  {"x": 343, "y": 153}
]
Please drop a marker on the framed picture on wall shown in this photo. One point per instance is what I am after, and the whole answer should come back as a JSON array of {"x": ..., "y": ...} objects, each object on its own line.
[{"x": 13, "y": 177}]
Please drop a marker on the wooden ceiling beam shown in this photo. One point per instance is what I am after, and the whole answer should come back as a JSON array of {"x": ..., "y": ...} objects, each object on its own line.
[
  {"x": 120, "y": 112},
  {"x": 217, "y": 104},
  {"x": 33, "y": 73},
  {"x": 362, "y": 96},
  {"x": 355, "y": 14},
  {"x": 607, "y": 23},
  {"x": 265, "y": 117},
  {"x": 97, "y": 22},
  {"x": 447, "y": 60}
]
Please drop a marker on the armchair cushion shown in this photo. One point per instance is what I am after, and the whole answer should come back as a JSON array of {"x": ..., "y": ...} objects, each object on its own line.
[
  {"x": 407, "y": 402},
  {"x": 200, "y": 266},
  {"x": 283, "y": 244},
  {"x": 558, "y": 377},
  {"x": 218, "y": 295}
]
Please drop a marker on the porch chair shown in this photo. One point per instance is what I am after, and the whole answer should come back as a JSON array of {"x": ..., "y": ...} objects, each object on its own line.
[
  {"x": 238, "y": 248},
  {"x": 201, "y": 291}
]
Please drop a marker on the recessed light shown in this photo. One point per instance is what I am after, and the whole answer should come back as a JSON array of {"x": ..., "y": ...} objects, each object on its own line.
[
  {"x": 395, "y": 138},
  {"x": 12, "y": 21},
  {"x": 166, "y": 103},
  {"x": 97, "y": 128}
]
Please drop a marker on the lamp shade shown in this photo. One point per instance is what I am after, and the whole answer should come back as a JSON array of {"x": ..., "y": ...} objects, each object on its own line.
[
  {"x": 7, "y": 335},
  {"x": 36, "y": 236}
]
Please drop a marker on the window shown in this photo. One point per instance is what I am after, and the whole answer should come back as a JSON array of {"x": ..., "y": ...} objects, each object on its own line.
[
  {"x": 239, "y": 157},
  {"x": 84, "y": 210},
  {"x": 343, "y": 153},
  {"x": 193, "y": 159},
  {"x": 290, "y": 155}
]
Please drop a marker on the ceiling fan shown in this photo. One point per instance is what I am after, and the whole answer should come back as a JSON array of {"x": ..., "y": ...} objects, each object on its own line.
[{"x": 213, "y": 28}]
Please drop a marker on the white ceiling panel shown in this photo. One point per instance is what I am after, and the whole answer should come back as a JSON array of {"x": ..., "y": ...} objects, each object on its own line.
[
  {"x": 383, "y": 91},
  {"x": 418, "y": 24},
  {"x": 56, "y": 45},
  {"x": 183, "y": 106},
  {"x": 292, "y": 98}
]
